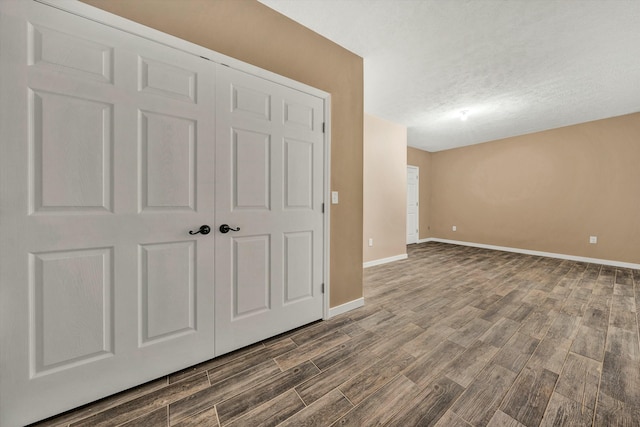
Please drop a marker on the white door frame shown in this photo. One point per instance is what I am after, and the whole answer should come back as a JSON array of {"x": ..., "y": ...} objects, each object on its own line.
[
  {"x": 417, "y": 169},
  {"x": 82, "y": 9}
]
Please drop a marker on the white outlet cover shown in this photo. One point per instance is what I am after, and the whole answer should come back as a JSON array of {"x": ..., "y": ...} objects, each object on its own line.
[
  {"x": 454, "y": 228},
  {"x": 593, "y": 239},
  {"x": 334, "y": 197},
  {"x": 370, "y": 242}
]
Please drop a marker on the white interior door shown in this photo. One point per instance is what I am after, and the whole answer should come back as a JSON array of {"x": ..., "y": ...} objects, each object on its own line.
[
  {"x": 412, "y": 204},
  {"x": 269, "y": 183},
  {"x": 106, "y": 147}
]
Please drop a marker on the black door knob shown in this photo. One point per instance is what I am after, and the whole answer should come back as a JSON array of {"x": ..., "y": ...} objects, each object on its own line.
[
  {"x": 204, "y": 229},
  {"x": 224, "y": 228}
]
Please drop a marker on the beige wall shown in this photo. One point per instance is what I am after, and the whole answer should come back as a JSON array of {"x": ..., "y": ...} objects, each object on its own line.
[
  {"x": 385, "y": 188},
  {"x": 547, "y": 191},
  {"x": 253, "y": 33},
  {"x": 422, "y": 159}
]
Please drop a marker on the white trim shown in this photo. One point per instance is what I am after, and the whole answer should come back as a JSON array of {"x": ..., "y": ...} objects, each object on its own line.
[
  {"x": 539, "y": 253},
  {"x": 428, "y": 239},
  {"x": 384, "y": 260},
  {"x": 417, "y": 205},
  {"x": 347, "y": 306},
  {"x": 327, "y": 207}
]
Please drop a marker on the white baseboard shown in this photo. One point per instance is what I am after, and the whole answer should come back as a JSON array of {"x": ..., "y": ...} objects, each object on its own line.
[
  {"x": 347, "y": 306},
  {"x": 384, "y": 260},
  {"x": 537, "y": 253},
  {"x": 428, "y": 239}
]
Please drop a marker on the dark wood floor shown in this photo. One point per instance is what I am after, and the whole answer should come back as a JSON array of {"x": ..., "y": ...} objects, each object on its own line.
[{"x": 453, "y": 336}]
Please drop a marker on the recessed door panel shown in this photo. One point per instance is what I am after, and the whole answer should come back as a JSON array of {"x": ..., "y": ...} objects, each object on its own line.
[
  {"x": 251, "y": 278},
  {"x": 250, "y": 103},
  {"x": 71, "y": 152},
  {"x": 70, "y": 54},
  {"x": 167, "y": 80},
  {"x": 298, "y": 266},
  {"x": 168, "y": 162},
  {"x": 72, "y": 294},
  {"x": 251, "y": 169},
  {"x": 298, "y": 115},
  {"x": 167, "y": 290},
  {"x": 298, "y": 170}
]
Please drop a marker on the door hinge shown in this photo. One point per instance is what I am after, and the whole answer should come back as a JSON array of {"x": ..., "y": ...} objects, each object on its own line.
[
  {"x": 322, "y": 288},
  {"x": 322, "y": 127},
  {"x": 323, "y": 208}
]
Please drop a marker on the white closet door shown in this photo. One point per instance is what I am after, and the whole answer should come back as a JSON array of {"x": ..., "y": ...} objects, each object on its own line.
[
  {"x": 412, "y": 204},
  {"x": 269, "y": 183},
  {"x": 107, "y": 147}
]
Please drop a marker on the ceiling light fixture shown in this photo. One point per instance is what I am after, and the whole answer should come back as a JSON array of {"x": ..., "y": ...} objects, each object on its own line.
[{"x": 464, "y": 115}]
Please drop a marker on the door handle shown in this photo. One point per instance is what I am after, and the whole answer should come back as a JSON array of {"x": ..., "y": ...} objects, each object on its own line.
[
  {"x": 224, "y": 228},
  {"x": 204, "y": 229}
]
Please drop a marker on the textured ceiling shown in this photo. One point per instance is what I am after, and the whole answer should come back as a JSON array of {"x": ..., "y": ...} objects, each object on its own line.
[{"x": 517, "y": 66}]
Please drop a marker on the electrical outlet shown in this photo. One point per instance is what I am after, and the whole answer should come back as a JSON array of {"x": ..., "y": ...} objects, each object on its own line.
[
  {"x": 334, "y": 197},
  {"x": 593, "y": 239},
  {"x": 370, "y": 242},
  {"x": 454, "y": 228}
]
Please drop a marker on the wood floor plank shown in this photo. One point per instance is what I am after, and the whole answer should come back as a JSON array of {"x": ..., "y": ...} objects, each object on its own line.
[
  {"x": 272, "y": 412},
  {"x": 427, "y": 340},
  {"x": 239, "y": 364},
  {"x": 251, "y": 398},
  {"x": 428, "y": 405},
  {"x": 469, "y": 333},
  {"x": 500, "y": 419},
  {"x": 464, "y": 368},
  {"x": 537, "y": 323},
  {"x": 159, "y": 417},
  {"x": 481, "y": 399},
  {"x": 590, "y": 342},
  {"x": 223, "y": 390},
  {"x": 320, "y": 329},
  {"x": 213, "y": 363},
  {"x": 322, "y": 412},
  {"x": 550, "y": 354},
  {"x": 206, "y": 418},
  {"x": 63, "y": 420},
  {"x": 620, "y": 379},
  {"x": 562, "y": 411},
  {"x": 579, "y": 380},
  {"x": 500, "y": 332},
  {"x": 612, "y": 412},
  {"x": 565, "y": 326},
  {"x": 147, "y": 403},
  {"x": 395, "y": 339},
  {"x": 623, "y": 343},
  {"x": 380, "y": 407},
  {"x": 335, "y": 376},
  {"x": 527, "y": 400},
  {"x": 451, "y": 419},
  {"x": 338, "y": 353},
  {"x": 517, "y": 352},
  {"x": 311, "y": 349},
  {"x": 368, "y": 381},
  {"x": 427, "y": 367}
]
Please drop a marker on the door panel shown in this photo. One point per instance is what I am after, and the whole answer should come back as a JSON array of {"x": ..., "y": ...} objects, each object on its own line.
[
  {"x": 269, "y": 182},
  {"x": 70, "y": 153},
  {"x": 412, "y": 204},
  {"x": 167, "y": 290},
  {"x": 106, "y": 164},
  {"x": 71, "y": 301}
]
